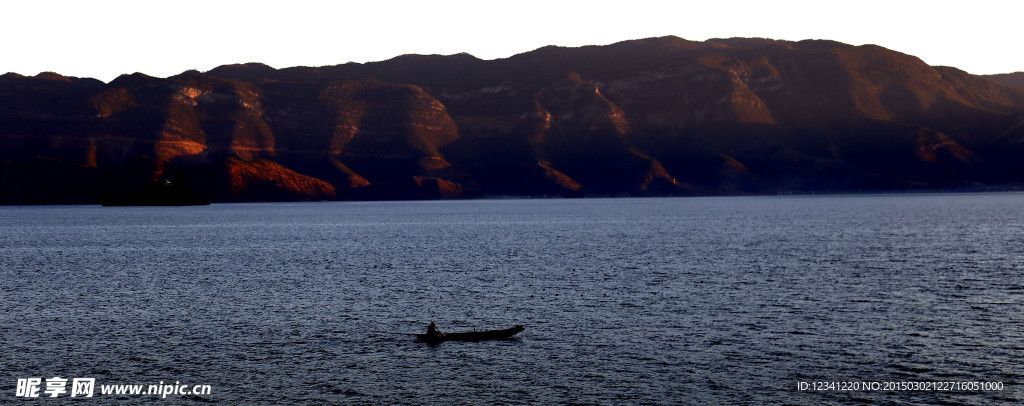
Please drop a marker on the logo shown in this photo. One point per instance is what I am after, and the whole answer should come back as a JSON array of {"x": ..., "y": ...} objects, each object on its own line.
[{"x": 54, "y": 387}]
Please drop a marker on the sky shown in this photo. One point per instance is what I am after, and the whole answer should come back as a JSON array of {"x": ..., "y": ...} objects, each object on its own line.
[{"x": 105, "y": 38}]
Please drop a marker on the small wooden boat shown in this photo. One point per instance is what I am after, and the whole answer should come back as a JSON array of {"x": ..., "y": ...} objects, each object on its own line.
[{"x": 470, "y": 336}]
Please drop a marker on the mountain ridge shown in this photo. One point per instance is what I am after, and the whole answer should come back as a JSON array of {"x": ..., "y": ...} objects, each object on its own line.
[
  {"x": 656, "y": 116},
  {"x": 1014, "y": 80}
]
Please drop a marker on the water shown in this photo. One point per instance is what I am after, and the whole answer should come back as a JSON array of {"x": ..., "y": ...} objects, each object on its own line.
[{"x": 626, "y": 301}]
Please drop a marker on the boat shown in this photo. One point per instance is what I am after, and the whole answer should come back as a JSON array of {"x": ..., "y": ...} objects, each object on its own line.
[{"x": 471, "y": 335}]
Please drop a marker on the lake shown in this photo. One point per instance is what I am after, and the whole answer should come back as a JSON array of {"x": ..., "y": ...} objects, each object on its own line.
[{"x": 732, "y": 300}]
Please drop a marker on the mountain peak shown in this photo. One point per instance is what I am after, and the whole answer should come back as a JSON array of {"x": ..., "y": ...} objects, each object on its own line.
[
  {"x": 127, "y": 80},
  {"x": 52, "y": 76},
  {"x": 414, "y": 58},
  {"x": 12, "y": 75},
  {"x": 821, "y": 44},
  {"x": 242, "y": 71},
  {"x": 665, "y": 42}
]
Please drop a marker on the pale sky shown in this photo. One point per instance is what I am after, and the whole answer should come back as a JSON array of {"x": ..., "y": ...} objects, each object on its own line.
[{"x": 105, "y": 38}]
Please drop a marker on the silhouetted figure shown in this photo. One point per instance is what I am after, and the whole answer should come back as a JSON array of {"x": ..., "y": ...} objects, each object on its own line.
[{"x": 432, "y": 330}]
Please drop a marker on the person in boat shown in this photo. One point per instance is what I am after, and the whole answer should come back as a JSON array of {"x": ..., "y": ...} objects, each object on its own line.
[{"x": 432, "y": 330}]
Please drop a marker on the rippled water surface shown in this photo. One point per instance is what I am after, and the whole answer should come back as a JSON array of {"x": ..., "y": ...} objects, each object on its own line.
[{"x": 625, "y": 301}]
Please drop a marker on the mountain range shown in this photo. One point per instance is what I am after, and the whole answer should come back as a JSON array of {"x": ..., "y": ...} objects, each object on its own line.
[{"x": 657, "y": 116}]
